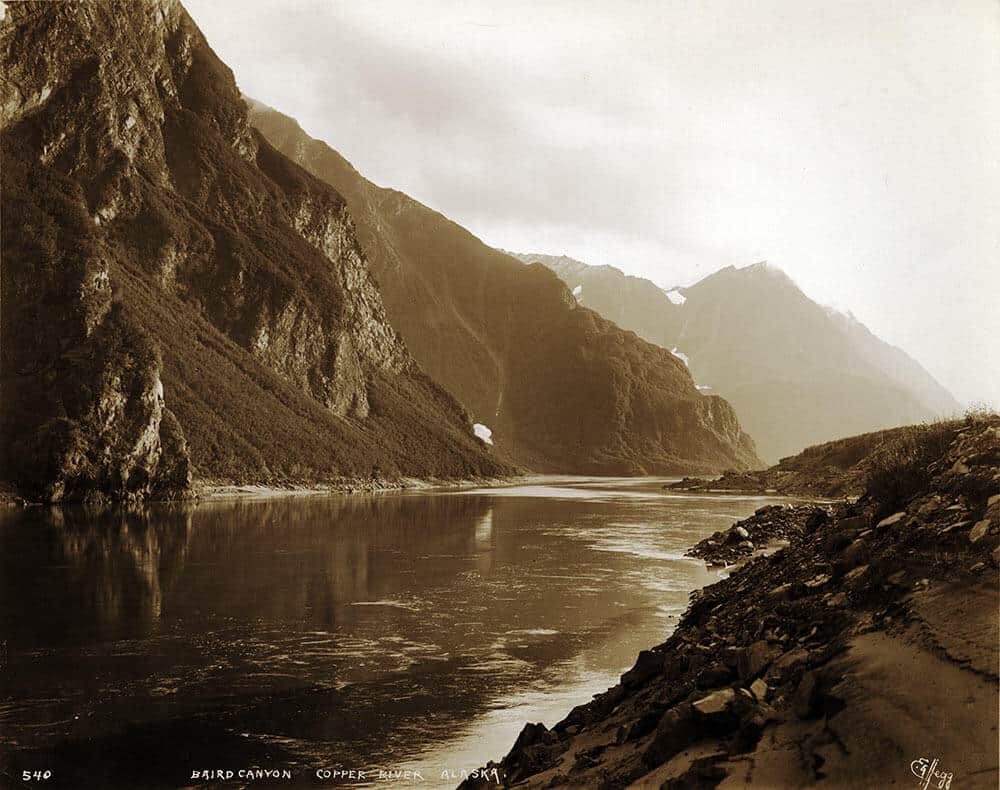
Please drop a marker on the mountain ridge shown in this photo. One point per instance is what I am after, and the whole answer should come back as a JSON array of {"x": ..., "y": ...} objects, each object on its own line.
[
  {"x": 797, "y": 372},
  {"x": 562, "y": 389},
  {"x": 224, "y": 280}
]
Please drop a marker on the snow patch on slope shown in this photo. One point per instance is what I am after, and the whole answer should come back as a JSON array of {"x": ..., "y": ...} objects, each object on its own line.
[
  {"x": 680, "y": 355},
  {"x": 577, "y": 291},
  {"x": 483, "y": 432},
  {"x": 676, "y": 296}
]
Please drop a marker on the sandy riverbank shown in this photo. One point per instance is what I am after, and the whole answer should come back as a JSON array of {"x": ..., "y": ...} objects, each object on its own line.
[{"x": 212, "y": 490}]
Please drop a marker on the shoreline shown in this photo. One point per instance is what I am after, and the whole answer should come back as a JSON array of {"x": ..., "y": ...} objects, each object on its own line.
[
  {"x": 855, "y": 656},
  {"x": 208, "y": 490}
]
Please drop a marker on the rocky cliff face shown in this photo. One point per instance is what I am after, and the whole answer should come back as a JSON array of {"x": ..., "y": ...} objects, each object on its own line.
[
  {"x": 245, "y": 303},
  {"x": 796, "y": 373},
  {"x": 561, "y": 389},
  {"x": 82, "y": 406}
]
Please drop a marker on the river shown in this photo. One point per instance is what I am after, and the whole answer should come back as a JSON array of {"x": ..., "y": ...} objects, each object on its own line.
[{"x": 407, "y": 632}]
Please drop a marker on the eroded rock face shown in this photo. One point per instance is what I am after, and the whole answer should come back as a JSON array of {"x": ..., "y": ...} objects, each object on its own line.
[
  {"x": 131, "y": 171},
  {"x": 561, "y": 389},
  {"x": 81, "y": 399}
]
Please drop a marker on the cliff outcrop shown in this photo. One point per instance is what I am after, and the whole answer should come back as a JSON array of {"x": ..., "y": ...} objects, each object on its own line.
[
  {"x": 161, "y": 258},
  {"x": 560, "y": 388}
]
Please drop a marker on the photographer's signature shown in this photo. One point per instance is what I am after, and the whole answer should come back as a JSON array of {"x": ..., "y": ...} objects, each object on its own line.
[{"x": 926, "y": 771}]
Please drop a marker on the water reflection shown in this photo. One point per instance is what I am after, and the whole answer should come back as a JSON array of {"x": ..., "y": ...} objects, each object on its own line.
[
  {"x": 71, "y": 574},
  {"x": 353, "y": 631}
]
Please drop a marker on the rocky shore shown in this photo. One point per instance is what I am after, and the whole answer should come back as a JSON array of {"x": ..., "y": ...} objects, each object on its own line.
[
  {"x": 769, "y": 524},
  {"x": 835, "y": 469},
  {"x": 856, "y": 656}
]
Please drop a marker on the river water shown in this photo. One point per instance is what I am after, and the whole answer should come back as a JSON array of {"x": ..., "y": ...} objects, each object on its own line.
[{"x": 390, "y": 633}]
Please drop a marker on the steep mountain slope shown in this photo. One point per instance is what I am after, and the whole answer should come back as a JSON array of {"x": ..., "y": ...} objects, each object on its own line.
[
  {"x": 631, "y": 302},
  {"x": 561, "y": 388},
  {"x": 157, "y": 252},
  {"x": 796, "y": 373}
]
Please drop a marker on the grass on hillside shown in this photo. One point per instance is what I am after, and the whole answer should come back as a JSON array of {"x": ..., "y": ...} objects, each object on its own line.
[{"x": 903, "y": 467}]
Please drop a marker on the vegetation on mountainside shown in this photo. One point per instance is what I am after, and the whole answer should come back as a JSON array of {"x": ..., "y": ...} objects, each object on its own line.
[
  {"x": 130, "y": 170},
  {"x": 901, "y": 468}
]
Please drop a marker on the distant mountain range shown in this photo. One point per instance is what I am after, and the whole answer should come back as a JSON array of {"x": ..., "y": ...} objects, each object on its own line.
[
  {"x": 796, "y": 372},
  {"x": 561, "y": 388}
]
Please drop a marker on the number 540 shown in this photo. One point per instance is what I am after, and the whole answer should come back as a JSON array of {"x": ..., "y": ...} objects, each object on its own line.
[{"x": 35, "y": 776}]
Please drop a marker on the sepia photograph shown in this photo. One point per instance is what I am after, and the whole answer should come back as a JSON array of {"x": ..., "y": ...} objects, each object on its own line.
[{"x": 500, "y": 394}]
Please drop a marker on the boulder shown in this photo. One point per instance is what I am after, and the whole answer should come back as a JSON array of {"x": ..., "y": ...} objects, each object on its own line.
[
  {"x": 898, "y": 578},
  {"x": 852, "y": 525},
  {"x": 755, "y": 659},
  {"x": 817, "y": 581},
  {"x": 889, "y": 521},
  {"x": 788, "y": 663},
  {"x": 714, "y": 676},
  {"x": 781, "y": 593},
  {"x": 533, "y": 734},
  {"x": 855, "y": 579},
  {"x": 759, "y": 689},
  {"x": 978, "y": 531},
  {"x": 648, "y": 665},
  {"x": 859, "y": 551},
  {"x": 806, "y": 695},
  {"x": 677, "y": 730},
  {"x": 716, "y": 703}
]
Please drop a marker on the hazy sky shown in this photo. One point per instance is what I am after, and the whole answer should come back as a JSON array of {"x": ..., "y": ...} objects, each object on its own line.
[{"x": 853, "y": 144}]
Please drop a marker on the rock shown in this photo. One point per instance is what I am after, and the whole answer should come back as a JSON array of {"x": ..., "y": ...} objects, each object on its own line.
[
  {"x": 714, "y": 676},
  {"x": 859, "y": 551},
  {"x": 889, "y": 521},
  {"x": 759, "y": 688},
  {"x": 806, "y": 695},
  {"x": 897, "y": 578},
  {"x": 788, "y": 663},
  {"x": 755, "y": 659},
  {"x": 781, "y": 593},
  {"x": 746, "y": 545},
  {"x": 978, "y": 531},
  {"x": 647, "y": 665},
  {"x": 996, "y": 555},
  {"x": 676, "y": 730},
  {"x": 855, "y": 579},
  {"x": 852, "y": 525},
  {"x": 532, "y": 734},
  {"x": 928, "y": 508},
  {"x": 716, "y": 703},
  {"x": 816, "y": 519},
  {"x": 993, "y": 500},
  {"x": 818, "y": 581},
  {"x": 741, "y": 531},
  {"x": 840, "y": 599}
]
